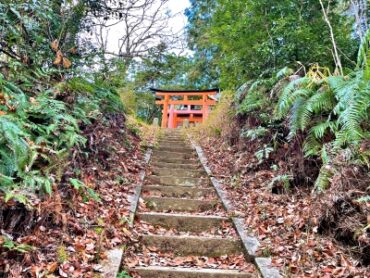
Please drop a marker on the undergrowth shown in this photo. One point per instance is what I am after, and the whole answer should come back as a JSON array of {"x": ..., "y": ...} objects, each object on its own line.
[
  {"x": 308, "y": 128},
  {"x": 39, "y": 128}
]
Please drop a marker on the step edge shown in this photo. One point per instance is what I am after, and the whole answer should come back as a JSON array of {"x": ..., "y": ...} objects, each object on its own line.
[
  {"x": 187, "y": 199},
  {"x": 187, "y": 269},
  {"x": 198, "y": 238},
  {"x": 180, "y": 177},
  {"x": 179, "y": 215},
  {"x": 158, "y": 186}
]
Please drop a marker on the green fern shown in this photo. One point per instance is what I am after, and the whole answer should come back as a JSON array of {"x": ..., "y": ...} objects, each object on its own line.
[
  {"x": 313, "y": 144},
  {"x": 323, "y": 180},
  {"x": 15, "y": 152},
  {"x": 322, "y": 101},
  {"x": 123, "y": 274},
  {"x": 36, "y": 181},
  {"x": 284, "y": 72},
  {"x": 363, "y": 53},
  {"x": 300, "y": 116},
  {"x": 255, "y": 133},
  {"x": 263, "y": 153},
  {"x": 9, "y": 244},
  {"x": 353, "y": 108},
  {"x": 283, "y": 179},
  {"x": 321, "y": 128},
  {"x": 256, "y": 98},
  {"x": 253, "y": 101},
  {"x": 334, "y": 105},
  {"x": 295, "y": 89},
  {"x": 86, "y": 192}
]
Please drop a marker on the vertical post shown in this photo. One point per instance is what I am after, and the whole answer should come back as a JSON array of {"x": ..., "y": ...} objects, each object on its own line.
[
  {"x": 165, "y": 112},
  {"x": 171, "y": 118},
  {"x": 186, "y": 98},
  {"x": 205, "y": 109},
  {"x": 175, "y": 121}
]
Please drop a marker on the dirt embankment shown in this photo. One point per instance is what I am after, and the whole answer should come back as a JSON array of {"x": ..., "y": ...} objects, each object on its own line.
[
  {"x": 66, "y": 234},
  {"x": 308, "y": 234}
]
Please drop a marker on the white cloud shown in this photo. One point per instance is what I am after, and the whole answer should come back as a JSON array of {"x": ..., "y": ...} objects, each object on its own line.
[
  {"x": 177, "y": 23},
  {"x": 178, "y": 7}
]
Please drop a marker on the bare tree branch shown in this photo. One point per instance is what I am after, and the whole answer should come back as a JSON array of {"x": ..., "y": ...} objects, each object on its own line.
[
  {"x": 143, "y": 25},
  {"x": 337, "y": 59}
]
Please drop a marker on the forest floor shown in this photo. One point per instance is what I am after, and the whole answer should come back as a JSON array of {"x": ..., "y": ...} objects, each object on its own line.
[
  {"x": 65, "y": 235},
  {"x": 286, "y": 224}
]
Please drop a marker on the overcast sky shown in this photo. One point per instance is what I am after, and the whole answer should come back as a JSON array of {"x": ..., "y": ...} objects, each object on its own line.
[
  {"x": 179, "y": 6},
  {"x": 177, "y": 23}
]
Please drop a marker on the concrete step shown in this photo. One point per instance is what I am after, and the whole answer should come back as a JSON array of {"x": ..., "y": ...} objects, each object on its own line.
[
  {"x": 175, "y": 148},
  {"x": 184, "y": 172},
  {"x": 181, "y": 222},
  {"x": 177, "y": 204},
  {"x": 176, "y": 138},
  {"x": 177, "y": 143},
  {"x": 189, "y": 164},
  {"x": 180, "y": 181},
  {"x": 172, "y": 138},
  {"x": 179, "y": 191},
  {"x": 193, "y": 245},
  {"x": 159, "y": 154},
  {"x": 177, "y": 272},
  {"x": 171, "y": 159}
]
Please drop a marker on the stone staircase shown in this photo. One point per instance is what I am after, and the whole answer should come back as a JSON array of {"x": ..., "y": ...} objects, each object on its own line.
[{"x": 183, "y": 206}]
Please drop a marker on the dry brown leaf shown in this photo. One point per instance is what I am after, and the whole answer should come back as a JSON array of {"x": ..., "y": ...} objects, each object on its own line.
[
  {"x": 127, "y": 232},
  {"x": 73, "y": 50},
  {"x": 59, "y": 58},
  {"x": 66, "y": 63},
  {"x": 55, "y": 45},
  {"x": 132, "y": 263},
  {"x": 2, "y": 113},
  {"x": 52, "y": 267}
]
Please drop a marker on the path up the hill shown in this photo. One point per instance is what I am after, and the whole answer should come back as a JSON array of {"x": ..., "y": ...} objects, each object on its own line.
[{"x": 185, "y": 231}]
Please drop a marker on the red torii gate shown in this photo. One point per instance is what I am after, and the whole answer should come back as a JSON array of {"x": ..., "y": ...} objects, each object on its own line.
[{"x": 178, "y": 106}]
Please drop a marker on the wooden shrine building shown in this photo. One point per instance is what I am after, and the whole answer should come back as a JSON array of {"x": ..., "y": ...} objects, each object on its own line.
[{"x": 179, "y": 106}]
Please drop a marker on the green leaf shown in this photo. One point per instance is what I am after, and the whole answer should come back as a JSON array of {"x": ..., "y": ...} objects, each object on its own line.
[
  {"x": 47, "y": 187},
  {"x": 77, "y": 184},
  {"x": 93, "y": 194}
]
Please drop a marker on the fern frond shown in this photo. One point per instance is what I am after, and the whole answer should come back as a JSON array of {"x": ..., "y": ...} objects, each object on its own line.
[
  {"x": 312, "y": 146},
  {"x": 363, "y": 50},
  {"x": 321, "y": 102},
  {"x": 323, "y": 180},
  {"x": 299, "y": 117},
  {"x": 353, "y": 108},
  {"x": 253, "y": 101},
  {"x": 253, "y": 134},
  {"x": 284, "y": 179},
  {"x": 321, "y": 128},
  {"x": 291, "y": 92},
  {"x": 13, "y": 139},
  {"x": 284, "y": 72}
]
